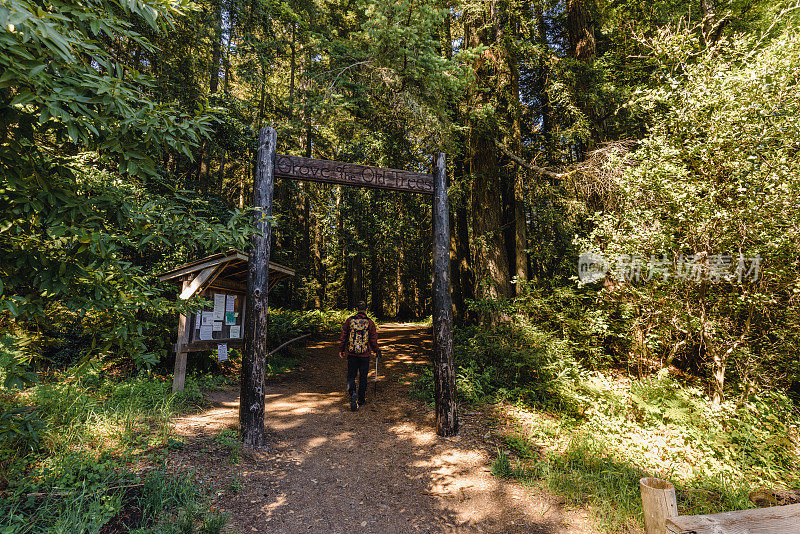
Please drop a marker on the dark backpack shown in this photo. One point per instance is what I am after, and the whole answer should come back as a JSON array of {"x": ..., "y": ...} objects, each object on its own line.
[{"x": 358, "y": 343}]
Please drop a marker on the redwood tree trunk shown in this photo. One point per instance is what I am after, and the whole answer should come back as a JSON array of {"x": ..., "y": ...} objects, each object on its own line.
[
  {"x": 580, "y": 31},
  {"x": 492, "y": 271}
]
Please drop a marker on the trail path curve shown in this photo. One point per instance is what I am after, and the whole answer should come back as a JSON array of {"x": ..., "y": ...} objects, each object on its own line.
[{"x": 381, "y": 470}]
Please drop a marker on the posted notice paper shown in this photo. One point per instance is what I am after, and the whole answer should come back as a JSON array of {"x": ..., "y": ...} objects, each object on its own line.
[
  {"x": 217, "y": 326},
  {"x": 236, "y": 332},
  {"x": 230, "y": 303},
  {"x": 205, "y": 332},
  {"x": 219, "y": 306},
  {"x": 222, "y": 352},
  {"x": 208, "y": 318}
]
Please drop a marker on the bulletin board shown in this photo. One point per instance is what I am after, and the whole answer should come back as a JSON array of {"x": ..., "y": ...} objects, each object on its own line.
[{"x": 221, "y": 321}]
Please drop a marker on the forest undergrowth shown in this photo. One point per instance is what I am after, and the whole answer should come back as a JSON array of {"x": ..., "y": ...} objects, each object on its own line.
[
  {"x": 589, "y": 432},
  {"x": 84, "y": 449}
]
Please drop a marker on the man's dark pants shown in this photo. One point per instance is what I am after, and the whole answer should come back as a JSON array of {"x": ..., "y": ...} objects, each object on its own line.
[{"x": 360, "y": 365}]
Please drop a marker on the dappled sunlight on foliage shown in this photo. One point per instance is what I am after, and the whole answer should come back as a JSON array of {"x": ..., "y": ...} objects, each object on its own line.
[{"x": 590, "y": 434}]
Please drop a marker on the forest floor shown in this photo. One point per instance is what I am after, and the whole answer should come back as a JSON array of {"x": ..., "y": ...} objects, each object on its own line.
[{"x": 382, "y": 469}]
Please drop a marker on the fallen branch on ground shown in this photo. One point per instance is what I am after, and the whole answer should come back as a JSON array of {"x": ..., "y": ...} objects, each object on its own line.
[{"x": 290, "y": 341}]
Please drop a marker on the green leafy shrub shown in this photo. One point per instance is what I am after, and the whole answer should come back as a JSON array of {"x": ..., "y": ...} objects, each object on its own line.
[
  {"x": 15, "y": 370},
  {"x": 521, "y": 445},
  {"x": 422, "y": 387},
  {"x": 585, "y": 474},
  {"x": 656, "y": 400},
  {"x": 501, "y": 466},
  {"x": 517, "y": 362},
  {"x": 757, "y": 436},
  {"x": 21, "y": 428}
]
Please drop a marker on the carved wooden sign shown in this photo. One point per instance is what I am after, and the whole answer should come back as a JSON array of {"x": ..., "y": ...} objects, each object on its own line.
[{"x": 334, "y": 172}]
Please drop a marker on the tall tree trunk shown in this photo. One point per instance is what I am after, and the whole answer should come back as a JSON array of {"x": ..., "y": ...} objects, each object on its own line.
[
  {"x": 348, "y": 284},
  {"x": 447, "y": 36},
  {"x": 262, "y": 97},
  {"x": 521, "y": 233},
  {"x": 707, "y": 12},
  {"x": 302, "y": 258},
  {"x": 444, "y": 375},
  {"x": 254, "y": 353},
  {"x": 243, "y": 183},
  {"x": 319, "y": 267},
  {"x": 216, "y": 47},
  {"x": 376, "y": 282},
  {"x": 404, "y": 310},
  {"x": 293, "y": 67},
  {"x": 221, "y": 172},
  {"x": 580, "y": 31},
  {"x": 465, "y": 271},
  {"x": 712, "y": 27},
  {"x": 341, "y": 202},
  {"x": 358, "y": 279},
  {"x": 227, "y": 60},
  {"x": 541, "y": 78},
  {"x": 375, "y": 265},
  {"x": 509, "y": 110},
  {"x": 514, "y": 141},
  {"x": 458, "y": 291},
  {"x": 491, "y": 256},
  {"x": 201, "y": 172}
]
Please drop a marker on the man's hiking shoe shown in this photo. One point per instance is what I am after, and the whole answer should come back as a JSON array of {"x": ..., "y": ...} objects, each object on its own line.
[{"x": 353, "y": 404}]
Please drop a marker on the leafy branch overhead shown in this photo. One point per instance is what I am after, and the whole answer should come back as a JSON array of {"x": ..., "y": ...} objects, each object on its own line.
[{"x": 75, "y": 234}]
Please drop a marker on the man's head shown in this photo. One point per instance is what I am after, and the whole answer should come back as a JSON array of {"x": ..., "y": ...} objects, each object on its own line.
[{"x": 361, "y": 306}]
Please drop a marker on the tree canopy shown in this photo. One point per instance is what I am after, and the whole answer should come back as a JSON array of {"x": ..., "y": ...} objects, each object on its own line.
[{"x": 644, "y": 131}]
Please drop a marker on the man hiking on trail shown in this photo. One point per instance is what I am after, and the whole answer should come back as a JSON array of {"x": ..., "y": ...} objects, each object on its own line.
[{"x": 359, "y": 340}]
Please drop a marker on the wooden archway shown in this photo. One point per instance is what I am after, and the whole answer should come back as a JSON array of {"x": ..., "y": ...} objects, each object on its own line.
[{"x": 270, "y": 165}]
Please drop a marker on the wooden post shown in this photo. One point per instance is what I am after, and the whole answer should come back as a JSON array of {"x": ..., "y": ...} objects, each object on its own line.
[
  {"x": 443, "y": 372},
  {"x": 254, "y": 356},
  {"x": 658, "y": 503},
  {"x": 179, "y": 374}
]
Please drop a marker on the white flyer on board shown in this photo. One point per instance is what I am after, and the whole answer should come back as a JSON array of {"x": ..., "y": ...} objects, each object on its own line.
[
  {"x": 205, "y": 332},
  {"x": 222, "y": 352},
  {"x": 219, "y": 306}
]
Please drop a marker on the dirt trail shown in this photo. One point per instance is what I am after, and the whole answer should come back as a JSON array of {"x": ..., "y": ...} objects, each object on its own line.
[{"x": 382, "y": 469}]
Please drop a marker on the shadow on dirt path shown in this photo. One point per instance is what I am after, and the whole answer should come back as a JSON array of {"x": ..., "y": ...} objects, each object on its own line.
[{"x": 382, "y": 469}]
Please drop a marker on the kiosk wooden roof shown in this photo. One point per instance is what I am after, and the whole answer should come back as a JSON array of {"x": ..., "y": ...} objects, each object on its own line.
[
  {"x": 224, "y": 270},
  {"x": 225, "y": 273}
]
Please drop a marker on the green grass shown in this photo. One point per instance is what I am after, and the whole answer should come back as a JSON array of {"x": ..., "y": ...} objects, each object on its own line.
[
  {"x": 713, "y": 456},
  {"x": 68, "y": 444},
  {"x": 73, "y": 472},
  {"x": 589, "y": 436},
  {"x": 587, "y": 474},
  {"x": 230, "y": 440}
]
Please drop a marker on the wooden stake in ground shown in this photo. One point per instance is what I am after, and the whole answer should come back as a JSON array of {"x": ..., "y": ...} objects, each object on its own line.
[
  {"x": 443, "y": 372},
  {"x": 254, "y": 354},
  {"x": 658, "y": 503},
  {"x": 179, "y": 375}
]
